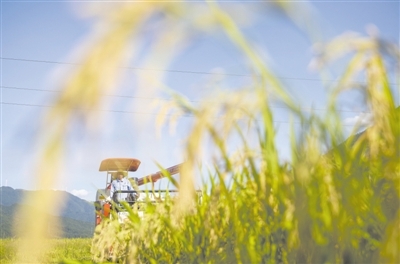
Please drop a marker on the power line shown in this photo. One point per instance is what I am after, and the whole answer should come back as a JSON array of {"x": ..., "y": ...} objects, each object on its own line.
[
  {"x": 150, "y": 98},
  {"x": 132, "y": 112},
  {"x": 58, "y": 91},
  {"x": 128, "y": 67},
  {"x": 102, "y": 110},
  {"x": 172, "y": 71},
  {"x": 98, "y": 110},
  {"x": 164, "y": 70},
  {"x": 129, "y": 112}
]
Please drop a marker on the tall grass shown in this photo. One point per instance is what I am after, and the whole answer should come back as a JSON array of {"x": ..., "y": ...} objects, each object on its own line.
[
  {"x": 63, "y": 249},
  {"x": 336, "y": 206},
  {"x": 335, "y": 201}
]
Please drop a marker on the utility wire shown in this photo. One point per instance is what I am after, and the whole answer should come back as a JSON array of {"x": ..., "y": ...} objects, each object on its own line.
[
  {"x": 98, "y": 110},
  {"x": 113, "y": 111},
  {"x": 173, "y": 71},
  {"x": 131, "y": 112},
  {"x": 149, "y": 98},
  {"x": 58, "y": 91},
  {"x": 129, "y": 68},
  {"x": 164, "y": 70}
]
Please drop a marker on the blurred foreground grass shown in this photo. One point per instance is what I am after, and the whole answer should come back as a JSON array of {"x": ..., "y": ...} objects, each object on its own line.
[
  {"x": 62, "y": 249},
  {"x": 341, "y": 206},
  {"x": 335, "y": 201}
]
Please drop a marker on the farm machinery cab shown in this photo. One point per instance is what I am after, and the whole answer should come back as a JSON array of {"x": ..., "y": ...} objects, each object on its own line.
[{"x": 117, "y": 166}]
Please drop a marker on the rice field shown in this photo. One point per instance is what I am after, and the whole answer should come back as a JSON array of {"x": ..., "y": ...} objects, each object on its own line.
[
  {"x": 63, "y": 250},
  {"x": 336, "y": 200}
]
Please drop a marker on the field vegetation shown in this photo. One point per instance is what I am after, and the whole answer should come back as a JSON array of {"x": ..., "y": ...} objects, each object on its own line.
[
  {"x": 77, "y": 249},
  {"x": 335, "y": 201}
]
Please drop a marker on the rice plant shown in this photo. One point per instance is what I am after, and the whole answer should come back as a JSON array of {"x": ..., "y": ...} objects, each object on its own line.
[{"x": 335, "y": 201}]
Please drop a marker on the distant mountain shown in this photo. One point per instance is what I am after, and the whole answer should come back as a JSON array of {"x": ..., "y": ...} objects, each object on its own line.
[
  {"x": 72, "y": 207},
  {"x": 58, "y": 227},
  {"x": 75, "y": 216}
]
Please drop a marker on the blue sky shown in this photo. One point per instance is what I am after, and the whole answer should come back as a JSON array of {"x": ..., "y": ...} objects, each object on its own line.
[{"x": 39, "y": 39}]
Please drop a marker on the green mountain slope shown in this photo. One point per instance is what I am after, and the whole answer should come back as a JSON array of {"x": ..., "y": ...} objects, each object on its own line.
[
  {"x": 75, "y": 217},
  {"x": 68, "y": 228},
  {"x": 71, "y": 207}
]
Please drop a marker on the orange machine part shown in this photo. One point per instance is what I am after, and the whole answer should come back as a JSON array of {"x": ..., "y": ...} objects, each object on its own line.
[
  {"x": 106, "y": 210},
  {"x": 98, "y": 219}
]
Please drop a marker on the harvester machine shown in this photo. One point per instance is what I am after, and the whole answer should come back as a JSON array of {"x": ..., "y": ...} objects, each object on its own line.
[{"x": 113, "y": 166}]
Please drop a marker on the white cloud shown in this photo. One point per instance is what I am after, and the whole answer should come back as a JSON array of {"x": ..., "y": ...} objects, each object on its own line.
[
  {"x": 80, "y": 193},
  {"x": 364, "y": 119}
]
